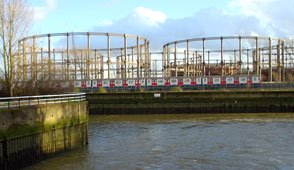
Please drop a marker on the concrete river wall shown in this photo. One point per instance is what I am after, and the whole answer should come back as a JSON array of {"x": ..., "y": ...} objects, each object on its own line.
[
  {"x": 29, "y": 134},
  {"x": 192, "y": 102}
]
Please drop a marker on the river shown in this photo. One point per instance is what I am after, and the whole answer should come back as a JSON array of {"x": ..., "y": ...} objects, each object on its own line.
[{"x": 246, "y": 141}]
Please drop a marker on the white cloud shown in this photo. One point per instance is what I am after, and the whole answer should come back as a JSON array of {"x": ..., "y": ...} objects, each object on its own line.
[
  {"x": 148, "y": 16},
  {"x": 40, "y": 12},
  {"x": 241, "y": 17}
]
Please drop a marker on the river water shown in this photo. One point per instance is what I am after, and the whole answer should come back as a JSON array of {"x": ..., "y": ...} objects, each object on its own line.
[{"x": 264, "y": 141}]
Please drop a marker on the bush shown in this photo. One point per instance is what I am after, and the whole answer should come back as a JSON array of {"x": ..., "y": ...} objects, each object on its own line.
[
  {"x": 102, "y": 90},
  {"x": 176, "y": 89}
]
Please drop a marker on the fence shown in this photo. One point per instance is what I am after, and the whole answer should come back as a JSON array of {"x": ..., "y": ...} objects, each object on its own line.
[{"x": 12, "y": 102}]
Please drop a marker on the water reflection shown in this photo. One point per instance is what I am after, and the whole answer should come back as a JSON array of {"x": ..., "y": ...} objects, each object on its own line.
[{"x": 261, "y": 141}]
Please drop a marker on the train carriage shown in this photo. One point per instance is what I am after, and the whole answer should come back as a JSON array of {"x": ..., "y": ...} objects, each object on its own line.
[
  {"x": 230, "y": 81},
  {"x": 216, "y": 81},
  {"x": 255, "y": 81},
  {"x": 142, "y": 82},
  {"x": 173, "y": 81},
  {"x": 105, "y": 83},
  {"x": 243, "y": 80},
  {"x": 77, "y": 84},
  {"x": 118, "y": 83}
]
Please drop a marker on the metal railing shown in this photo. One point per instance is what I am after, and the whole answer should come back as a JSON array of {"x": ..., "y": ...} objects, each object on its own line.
[{"x": 13, "y": 102}]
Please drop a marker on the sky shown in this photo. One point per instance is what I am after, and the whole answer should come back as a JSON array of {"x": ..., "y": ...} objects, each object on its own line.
[{"x": 162, "y": 21}]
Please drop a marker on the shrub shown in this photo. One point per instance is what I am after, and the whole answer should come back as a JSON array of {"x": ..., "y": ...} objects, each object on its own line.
[{"x": 176, "y": 89}]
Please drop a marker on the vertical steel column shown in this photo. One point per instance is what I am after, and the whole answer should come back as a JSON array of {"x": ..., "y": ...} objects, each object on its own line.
[
  {"x": 222, "y": 55},
  {"x": 121, "y": 64},
  {"x": 128, "y": 66},
  {"x": 68, "y": 58},
  {"x": 138, "y": 59},
  {"x": 88, "y": 55},
  {"x": 196, "y": 62},
  {"x": 35, "y": 60},
  {"x": 248, "y": 71},
  {"x": 54, "y": 66},
  {"x": 257, "y": 57},
  {"x": 95, "y": 65},
  {"x": 279, "y": 60},
  {"x": 163, "y": 61},
  {"x": 24, "y": 61},
  {"x": 240, "y": 54},
  {"x": 102, "y": 67},
  {"x": 108, "y": 56},
  {"x": 168, "y": 62},
  {"x": 208, "y": 57},
  {"x": 132, "y": 62},
  {"x": 18, "y": 60},
  {"x": 283, "y": 77},
  {"x": 62, "y": 66},
  {"x": 42, "y": 65},
  {"x": 270, "y": 68},
  {"x": 188, "y": 70},
  {"x": 49, "y": 56},
  {"x": 193, "y": 64},
  {"x": 81, "y": 66},
  {"x": 175, "y": 60},
  {"x": 125, "y": 56},
  {"x": 203, "y": 56}
]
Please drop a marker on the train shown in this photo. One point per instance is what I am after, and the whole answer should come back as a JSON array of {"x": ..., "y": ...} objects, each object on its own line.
[{"x": 164, "y": 82}]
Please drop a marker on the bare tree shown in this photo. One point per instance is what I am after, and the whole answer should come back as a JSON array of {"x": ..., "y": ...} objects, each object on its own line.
[{"x": 15, "y": 19}]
